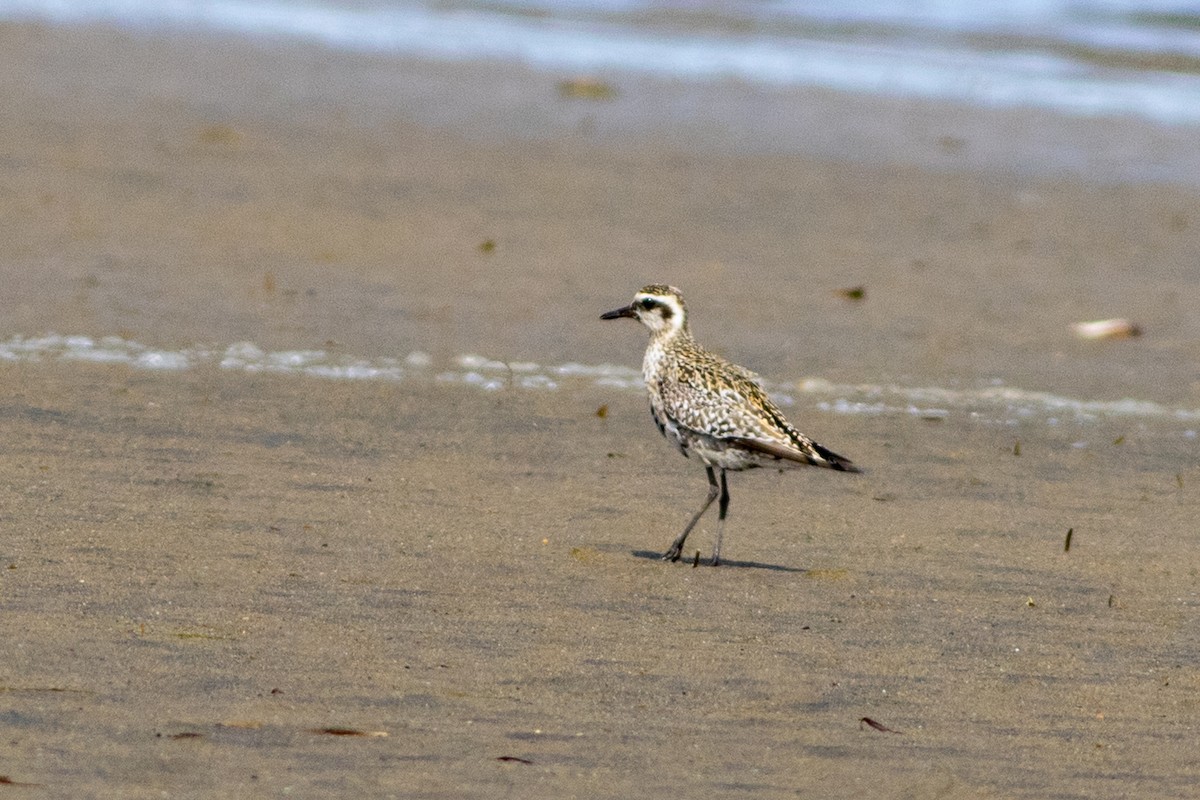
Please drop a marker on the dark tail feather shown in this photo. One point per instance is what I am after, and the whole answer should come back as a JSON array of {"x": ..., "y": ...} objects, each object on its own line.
[
  {"x": 833, "y": 460},
  {"x": 805, "y": 451}
]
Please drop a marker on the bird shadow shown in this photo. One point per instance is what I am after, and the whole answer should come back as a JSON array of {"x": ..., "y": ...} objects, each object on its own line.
[{"x": 652, "y": 555}]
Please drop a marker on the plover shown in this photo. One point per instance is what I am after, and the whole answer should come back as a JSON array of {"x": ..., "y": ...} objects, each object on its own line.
[{"x": 712, "y": 409}]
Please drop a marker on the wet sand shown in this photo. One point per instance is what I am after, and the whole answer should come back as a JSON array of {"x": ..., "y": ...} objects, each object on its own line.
[{"x": 202, "y": 571}]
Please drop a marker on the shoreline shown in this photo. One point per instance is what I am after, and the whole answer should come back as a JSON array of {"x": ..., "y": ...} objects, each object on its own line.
[
  {"x": 183, "y": 194},
  {"x": 988, "y": 403},
  {"x": 494, "y": 100}
]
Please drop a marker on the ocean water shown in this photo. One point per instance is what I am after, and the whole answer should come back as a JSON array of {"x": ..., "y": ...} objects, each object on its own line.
[{"x": 1125, "y": 58}]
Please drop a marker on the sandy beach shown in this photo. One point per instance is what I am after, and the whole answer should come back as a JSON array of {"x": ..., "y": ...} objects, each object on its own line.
[{"x": 212, "y": 579}]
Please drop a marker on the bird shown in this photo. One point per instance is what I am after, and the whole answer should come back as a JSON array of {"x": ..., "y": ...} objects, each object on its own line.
[{"x": 711, "y": 408}]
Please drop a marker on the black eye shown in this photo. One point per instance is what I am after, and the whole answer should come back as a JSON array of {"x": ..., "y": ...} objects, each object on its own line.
[{"x": 647, "y": 303}]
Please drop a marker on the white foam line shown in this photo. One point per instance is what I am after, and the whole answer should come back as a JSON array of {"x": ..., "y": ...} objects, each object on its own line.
[
  {"x": 1015, "y": 401},
  {"x": 994, "y": 403}
]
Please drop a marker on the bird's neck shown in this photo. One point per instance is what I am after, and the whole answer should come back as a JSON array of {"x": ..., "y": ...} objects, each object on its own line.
[
  {"x": 665, "y": 337},
  {"x": 658, "y": 352}
]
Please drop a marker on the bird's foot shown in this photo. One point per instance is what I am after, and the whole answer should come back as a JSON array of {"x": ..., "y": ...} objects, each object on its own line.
[{"x": 672, "y": 554}]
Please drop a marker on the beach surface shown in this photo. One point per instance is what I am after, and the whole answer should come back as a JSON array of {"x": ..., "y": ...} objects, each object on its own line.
[{"x": 221, "y": 583}]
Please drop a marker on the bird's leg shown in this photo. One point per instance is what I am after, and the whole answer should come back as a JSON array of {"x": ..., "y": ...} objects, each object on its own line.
[
  {"x": 722, "y": 507},
  {"x": 676, "y": 547}
]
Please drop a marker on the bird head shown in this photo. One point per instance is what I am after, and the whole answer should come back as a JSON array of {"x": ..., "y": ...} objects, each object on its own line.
[{"x": 660, "y": 308}]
